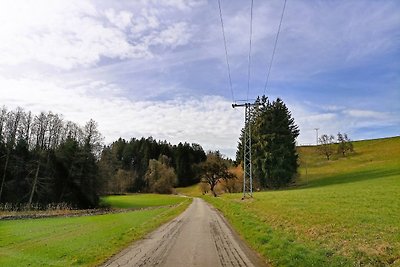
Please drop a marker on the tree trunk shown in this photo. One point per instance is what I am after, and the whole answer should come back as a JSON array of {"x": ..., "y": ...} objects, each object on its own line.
[
  {"x": 212, "y": 189},
  {"x": 4, "y": 175},
  {"x": 34, "y": 184}
]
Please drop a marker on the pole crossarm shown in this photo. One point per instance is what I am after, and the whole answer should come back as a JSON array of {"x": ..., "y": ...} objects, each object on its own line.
[{"x": 247, "y": 174}]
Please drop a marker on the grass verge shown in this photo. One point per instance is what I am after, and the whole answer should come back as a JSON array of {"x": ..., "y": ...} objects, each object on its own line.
[
  {"x": 344, "y": 213},
  {"x": 83, "y": 241},
  {"x": 279, "y": 247}
]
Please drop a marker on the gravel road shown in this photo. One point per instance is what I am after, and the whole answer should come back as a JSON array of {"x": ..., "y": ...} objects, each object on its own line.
[{"x": 200, "y": 236}]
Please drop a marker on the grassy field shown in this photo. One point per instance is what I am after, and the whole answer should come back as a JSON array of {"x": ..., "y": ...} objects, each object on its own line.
[
  {"x": 140, "y": 200},
  {"x": 192, "y": 191},
  {"x": 343, "y": 212},
  {"x": 86, "y": 240}
]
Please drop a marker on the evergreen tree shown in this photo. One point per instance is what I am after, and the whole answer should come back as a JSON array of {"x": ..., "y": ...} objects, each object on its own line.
[{"x": 274, "y": 134}]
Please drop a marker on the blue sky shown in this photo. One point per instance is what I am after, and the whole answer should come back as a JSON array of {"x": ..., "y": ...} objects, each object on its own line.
[{"x": 142, "y": 68}]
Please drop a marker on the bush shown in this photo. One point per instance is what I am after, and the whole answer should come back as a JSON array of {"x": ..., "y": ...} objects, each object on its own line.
[{"x": 160, "y": 177}]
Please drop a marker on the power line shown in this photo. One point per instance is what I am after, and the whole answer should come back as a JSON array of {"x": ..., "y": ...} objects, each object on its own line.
[
  {"x": 273, "y": 52},
  {"x": 251, "y": 33},
  {"x": 226, "y": 50}
]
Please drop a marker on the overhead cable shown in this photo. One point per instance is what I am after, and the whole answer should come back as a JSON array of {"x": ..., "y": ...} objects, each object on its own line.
[
  {"x": 249, "y": 62},
  {"x": 226, "y": 51},
  {"x": 273, "y": 52}
]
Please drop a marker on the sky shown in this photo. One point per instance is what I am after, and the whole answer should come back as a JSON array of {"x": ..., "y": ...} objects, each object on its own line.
[{"x": 158, "y": 68}]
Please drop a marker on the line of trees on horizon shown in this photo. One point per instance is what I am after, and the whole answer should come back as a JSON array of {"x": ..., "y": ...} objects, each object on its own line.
[
  {"x": 129, "y": 166},
  {"x": 47, "y": 159}
]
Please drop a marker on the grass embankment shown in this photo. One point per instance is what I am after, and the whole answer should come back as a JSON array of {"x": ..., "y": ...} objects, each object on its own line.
[
  {"x": 344, "y": 212},
  {"x": 87, "y": 240}
]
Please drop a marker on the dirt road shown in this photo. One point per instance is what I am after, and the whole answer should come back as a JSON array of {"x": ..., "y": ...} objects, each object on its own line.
[{"x": 200, "y": 236}]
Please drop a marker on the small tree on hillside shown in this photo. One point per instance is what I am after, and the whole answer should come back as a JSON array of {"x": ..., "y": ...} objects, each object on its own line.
[
  {"x": 326, "y": 145},
  {"x": 214, "y": 170},
  {"x": 344, "y": 144}
]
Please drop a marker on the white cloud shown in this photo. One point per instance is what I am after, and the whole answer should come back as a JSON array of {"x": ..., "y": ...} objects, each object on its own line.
[
  {"x": 182, "y": 4},
  {"x": 338, "y": 119},
  {"x": 63, "y": 34},
  {"x": 365, "y": 114},
  {"x": 144, "y": 21},
  {"x": 122, "y": 19},
  {"x": 73, "y": 34},
  {"x": 209, "y": 121},
  {"x": 173, "y": 36}
]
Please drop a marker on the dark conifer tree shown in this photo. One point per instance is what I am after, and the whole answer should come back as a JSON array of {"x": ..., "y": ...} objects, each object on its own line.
[{"x": 274, "y": 134}]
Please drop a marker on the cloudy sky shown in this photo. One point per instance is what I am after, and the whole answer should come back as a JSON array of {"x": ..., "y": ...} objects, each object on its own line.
[{"x": 154, "y": 67}]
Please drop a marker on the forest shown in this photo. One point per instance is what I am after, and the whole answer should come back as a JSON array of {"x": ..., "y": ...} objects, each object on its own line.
[
  {"x": 125, "y": 164},
  {"x": 46, "y": 159}
]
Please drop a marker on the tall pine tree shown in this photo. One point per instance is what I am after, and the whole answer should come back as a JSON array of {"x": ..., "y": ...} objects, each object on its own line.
[{"x": 274, "y": 134}]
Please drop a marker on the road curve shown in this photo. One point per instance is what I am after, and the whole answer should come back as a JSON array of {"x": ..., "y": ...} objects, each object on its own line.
[{"x": 200, "y": 236}]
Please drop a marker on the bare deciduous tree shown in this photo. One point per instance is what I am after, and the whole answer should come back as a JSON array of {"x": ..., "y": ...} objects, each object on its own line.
[
  {"x": 344, "y": 144},
  {"x": 326, "y": 145},
  {"x": 214, "y": 170},
  {"x": 12, "y": 124}
]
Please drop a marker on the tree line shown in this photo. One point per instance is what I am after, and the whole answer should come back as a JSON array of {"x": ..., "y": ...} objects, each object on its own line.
[
  {"x": 136, "y": 165},
  {"x": 44, "y": 159},
  {"x": 47, "y": 159}
]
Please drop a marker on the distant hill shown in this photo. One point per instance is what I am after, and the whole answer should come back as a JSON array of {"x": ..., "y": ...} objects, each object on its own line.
[{"x": 377, "y": 154}]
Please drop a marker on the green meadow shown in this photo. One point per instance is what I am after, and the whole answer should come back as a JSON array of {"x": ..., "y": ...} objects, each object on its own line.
[
  {"x": 85, "y": 240},
  {"x": 140, "y": 201},
  {"x": 191, "y": 191},
  {"x": 341, "y": 212}
]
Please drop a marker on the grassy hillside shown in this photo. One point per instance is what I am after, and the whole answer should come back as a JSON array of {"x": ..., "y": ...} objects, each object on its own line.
[
  {"x": 343, "y": 212},
  {"x": 86, "y": 240}
]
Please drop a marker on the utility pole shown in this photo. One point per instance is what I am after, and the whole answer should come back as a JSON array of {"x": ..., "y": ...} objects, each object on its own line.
[
  {"x": 247, "y": 174},
  {"x": 316, "y": 130}
]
